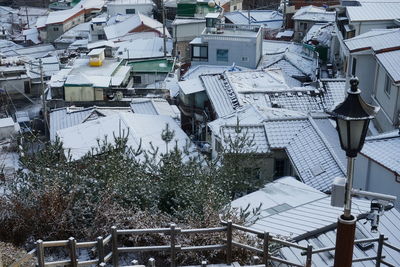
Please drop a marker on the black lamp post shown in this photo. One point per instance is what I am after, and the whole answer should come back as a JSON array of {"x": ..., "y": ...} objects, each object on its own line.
[{"x": 352, "y": 120}]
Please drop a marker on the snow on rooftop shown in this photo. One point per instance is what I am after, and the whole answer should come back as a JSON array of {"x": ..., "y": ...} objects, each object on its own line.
[
  {"x": 96, "y": 52},
  {"x": 374, "y": 11},
  {"x": 131, "y": 23},
  {"x": 143, "y": 48},
  {"x": 196, "y": 71},
  {"x": 6, "y": 122},
  {"x": 312, "y": 13},
  {"x": 320, "y": 32},
  {"x": 153, "y": 106},
  {"x": 271, "y": 19},
  {"x": 391, "y": 62},
  {"x": 143, "y": 130},
  {"x": 375, "y": 39},
  {"x": 191, "y": 86}
]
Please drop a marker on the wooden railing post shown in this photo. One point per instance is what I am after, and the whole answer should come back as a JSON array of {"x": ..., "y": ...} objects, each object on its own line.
[
  {"x": 309, "y": 255},
  {"x": 379, "y": 250},
  {"x": 229, "y": 242},
  {"x": 114, "y": 238},
  {"x": 173, "y": 241},
  {"x": 152, "y": 262},
  {"x": 72, "y": 251},
  {"x": 100, "y": 249},
  {"x": 40, "y": 253},
  {"x": 265, "y": 248}
]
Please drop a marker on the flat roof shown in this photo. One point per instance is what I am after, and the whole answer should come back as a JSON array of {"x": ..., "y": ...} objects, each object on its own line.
[{"x": 156, "y": 65}]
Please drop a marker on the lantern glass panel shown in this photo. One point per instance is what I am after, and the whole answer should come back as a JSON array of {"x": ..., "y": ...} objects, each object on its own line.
[
  {"x": 342, "y": 127},
  {"x": 356, "y": 132}
]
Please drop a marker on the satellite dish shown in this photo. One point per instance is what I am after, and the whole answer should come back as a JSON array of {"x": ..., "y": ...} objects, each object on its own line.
[{"x": 211, "y": 3}]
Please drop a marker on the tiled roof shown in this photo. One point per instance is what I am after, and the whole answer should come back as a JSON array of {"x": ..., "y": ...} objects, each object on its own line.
[
  {"x": 312, "y": 156},
  {"x": 385, "y": 151},
  {"x": 253, "y": 134}
]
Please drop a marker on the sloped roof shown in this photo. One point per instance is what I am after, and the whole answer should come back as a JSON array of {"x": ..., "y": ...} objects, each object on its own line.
[
  {"x": 131, "y": 23},
  {"x": 271, "y": 19},
  {"x": 62, "y": 118},
  {"x": 143, "y": 130},
  {"x": 320, "y": 32},
  {"x": 313, "y": 13},
  {"x": 375, "y": 40},
  {"x": 391, "y": 62},
  {"x": 384, "y": 149},
  {"x": 374, "y": 11},
  {"x": 153, "y": 106},
  {"x": 312, "y": 156}
]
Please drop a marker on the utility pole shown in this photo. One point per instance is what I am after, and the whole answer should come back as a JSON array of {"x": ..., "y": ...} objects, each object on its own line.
[
  {"x": 163, "y": 22},
  {"x": 284, "y": 14},
  {"x": 44, "y": 106},
  {"x": 27, "y": 18}
]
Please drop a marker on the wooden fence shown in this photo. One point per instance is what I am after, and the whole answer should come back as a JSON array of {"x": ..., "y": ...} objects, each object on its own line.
[{"x": 227, "y": 244}]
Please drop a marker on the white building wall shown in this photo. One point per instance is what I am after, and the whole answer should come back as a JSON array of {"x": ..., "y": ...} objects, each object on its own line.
[
  {"x": 121, "y": 8},
  {"x": 371, "y": 176},
  {"x": 189, "y": 31}
]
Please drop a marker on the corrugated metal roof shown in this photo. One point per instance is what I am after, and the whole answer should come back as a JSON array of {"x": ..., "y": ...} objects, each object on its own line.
[
  {"x": 385, "y": 151},
  {"x": 221, "y": 94},
  {"x": 312, "y": 13},
  {"x": 391, "y": 62},
  {"x": 375, "y": 40},
  {"x": 298, "y": 212},
  {"x": 380, "y": 10}
]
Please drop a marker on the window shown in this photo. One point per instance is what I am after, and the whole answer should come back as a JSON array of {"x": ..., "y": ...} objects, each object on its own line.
[
  {"x": 27, "y": 87},
  {"x": 279, "y": 168},
  {"x": 353, "y": 67},
  {"x": 101, "y": 36},
  {"x": 245, "y": 59},
  {"x": 222, "y": 55},
  {"x": 130, "y": 11},
  {"x": 137, "y": 79},
  {"x": 199, "y": 53},
  {"x": 234, "y": 7},
  {"x": 55, "y": 29},
  {"x": 388, "y": 85}
]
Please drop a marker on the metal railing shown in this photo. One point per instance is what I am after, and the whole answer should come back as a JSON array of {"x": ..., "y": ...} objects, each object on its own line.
[{"x": 173, "y": 248}]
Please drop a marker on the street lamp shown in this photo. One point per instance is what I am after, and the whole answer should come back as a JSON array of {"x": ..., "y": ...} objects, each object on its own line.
[{"x": 352, "y": 118}]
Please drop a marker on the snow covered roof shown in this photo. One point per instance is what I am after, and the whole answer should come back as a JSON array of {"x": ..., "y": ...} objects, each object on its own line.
[
  {"x": 196, "y": 71},
  {"x": 391, "y": 62},
  {"x": 384, "y": 149},
  {"x": 191, "y": 86},
  {"x": 153, "y": 106},
  {"x": 310, "y": 152},
  {"x": 302, "y": 214},
  {"x": 96, "y": 52},
  {"x": 180, "y": 21},
  {"x": 320, "y": 32},
  {"x": 270, "y": 19},
  {"x": 374, "y": 11},
  {"x": 130, "y": 24},
  {"x": 62, "y": 118},
  {"x": 50, "y": 66},
  {"x": 64, "y": 15},
  {"x": 103, "y": 43},
  {"x": 31, "y": 35},
  {"x": 375, "y": 40},
  {"x": 143, "y": 48},
  {"x": 313, "y": 13},
  {"x": 36, "y": 51},
  {"x": 79, "y": 32},
  {"x": 143, "y": 130}
]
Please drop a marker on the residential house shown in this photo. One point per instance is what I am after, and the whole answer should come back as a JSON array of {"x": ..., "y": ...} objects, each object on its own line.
[
  {"x": 188, "y": 24},
  {"x": 286, "y": 142},
  {"x": 225, "y": 44},
  {"x": 129, "y": 7},
  {"x": 95, "y": 78},
  {"x": 78, "y": 32},
  {"x": 321, "y": 38},
  {"x": 212, "y": 96},
  {"x": 58, "y": 22},
  {"x": 307, "y": 16},
  {"x": 377, "y": 168},
  {"x": 16, "y": 82},
  {"x": 143, "y": 132},
  {"x": 374, "y": 59},
  {"x": 149, "y": 72},
  {"x": 143, "y": 48},
  {"x": 297, "y": 212},
  {"x": 230, "y": 5},
  {"x": 155, "y": 106}
]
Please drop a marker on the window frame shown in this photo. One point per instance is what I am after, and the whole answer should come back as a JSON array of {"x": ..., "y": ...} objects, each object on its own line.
[{"x": 218, "y": 57}]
